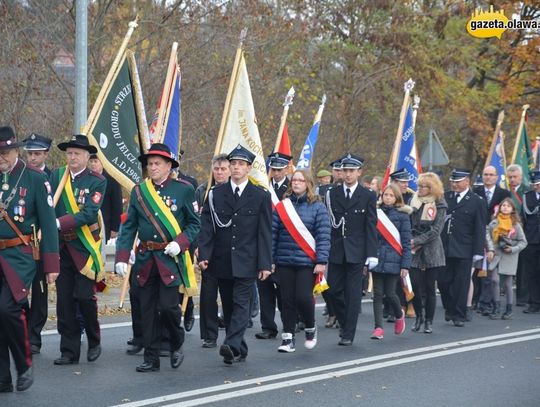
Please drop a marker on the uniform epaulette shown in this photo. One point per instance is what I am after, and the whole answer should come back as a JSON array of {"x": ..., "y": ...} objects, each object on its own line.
[
  {"x": 96, "y": 174},
  {"x": 182, "y": 181}
]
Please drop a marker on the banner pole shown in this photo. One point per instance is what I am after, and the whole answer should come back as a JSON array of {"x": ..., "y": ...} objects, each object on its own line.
[{"x": 518, "y": 135}]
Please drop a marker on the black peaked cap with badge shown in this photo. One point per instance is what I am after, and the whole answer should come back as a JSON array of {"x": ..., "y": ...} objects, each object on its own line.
[
  {"x": 401, "y": 175},
  {"x": 279, "y": 160},
  {"x": 37, "y": 142},
  {"x": 351, "y": 161},
  {"x": 241, "y": 153},
  {"x": 459, "y": 174}
]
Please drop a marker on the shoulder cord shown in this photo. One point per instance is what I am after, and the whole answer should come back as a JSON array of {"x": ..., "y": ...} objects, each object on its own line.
[
  {"x": 215, "y": 218},
  {"x": 526, "y": 208},
  {"x": 5, "y": 204}
]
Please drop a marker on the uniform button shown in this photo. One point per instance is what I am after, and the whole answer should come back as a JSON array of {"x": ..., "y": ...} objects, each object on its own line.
[
  {"x": 235, "y": 214},
  {"x": 233, "y": 226},
  {"x": 138, "y": 276},
  {"x": 233, "y": 248},
  {"x": 346, "y": 213},
  {"x": 172, "y": 277},
  {"x": 155, "y": 214},
  {"x": 234, "y": 237},
  {"x": 155, "y": 236},
  {"x": 24, "y": 290}
]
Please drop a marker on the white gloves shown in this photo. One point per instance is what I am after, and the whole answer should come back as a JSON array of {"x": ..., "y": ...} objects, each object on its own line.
[
  {"x": 121, "y": 269},
  {"x": 132, "y": 257},
  {"x": 172, "y": 249},
  {"x": 477, "y": 257},
  {"x": 371, "y": 262}
]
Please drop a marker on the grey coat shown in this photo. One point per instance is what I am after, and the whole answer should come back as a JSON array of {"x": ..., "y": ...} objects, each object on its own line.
[
  {"x": 428, "y": 251},
  {"x": 505, "y": 262}
]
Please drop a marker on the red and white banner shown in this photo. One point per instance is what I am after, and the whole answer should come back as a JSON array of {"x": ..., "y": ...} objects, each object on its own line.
[
  {"x": 389, "y": 231},
  {"x": 294, "y": 225}
]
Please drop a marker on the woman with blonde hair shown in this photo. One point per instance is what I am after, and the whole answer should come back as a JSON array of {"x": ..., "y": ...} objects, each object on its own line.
[
  {"x": 299, "y": 219},
  {"x": 427, "y": 222}
]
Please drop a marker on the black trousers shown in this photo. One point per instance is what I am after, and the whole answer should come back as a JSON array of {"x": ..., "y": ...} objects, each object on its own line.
[
  {"x": 135, "y": 302},
  {"x": 522, "y": 283},
  {"x": 208, "y": 307},
  {"x": 235, "y": 298},
  {"x": 385, "y": 284},
  {"x": 454, "y": 283},
  {"x": 13, "y": 334},
  {"x": 423, "y": 284},
  {"x": 345, "y": 281},
  {"x": 159, "y": 305},
  {"x": 531, "y": 263},
  {"x": 73, "y": 288},
  {"x": 37, "y": 315},
  {"x": 269, "y": 297},
  {"x": 296, "y": 286}
]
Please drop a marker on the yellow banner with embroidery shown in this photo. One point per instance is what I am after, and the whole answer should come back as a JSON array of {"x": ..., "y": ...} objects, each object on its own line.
[
  {"x": 165, "y": 215},
  {"x": 94, "y": 268}
]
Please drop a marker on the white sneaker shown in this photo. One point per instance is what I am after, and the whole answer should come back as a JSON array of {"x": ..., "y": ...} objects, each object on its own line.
[
  {"x": 311, "y": 338},
  {"x": 287, "y": 343}
]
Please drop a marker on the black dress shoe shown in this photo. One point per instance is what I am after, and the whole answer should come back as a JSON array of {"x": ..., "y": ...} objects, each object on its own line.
[
  {"x": 250, "y": 323},
  {"x": 177, "y": 357},
  {"x": 209, "y": 343},
  {"x": 148, "y": 367},
  {"x": 344, "y": 342},
  {"x": 417, "y": 324},
  {"x": 6, "y": 388},
  {"x": 25, "y": 380},
  {"x": 428, "y": 327},
  {"x": 131, "y": 341},
  {"x": 93, "y": 353},
  {"x": 459, "y": 324},
  {"x": 35, "y": 349},
  {"x": 134, "y": 349},
  {"x": 447, "y": 316},
  {"x": 531, "y": 310},
  {"x": 265, "y": 335},
  {"x": 227, "y": 353},
  {"x": 221, "y": 322},
  {"x": 65, "y": 360},
  {"x": 188, "y": 324}
]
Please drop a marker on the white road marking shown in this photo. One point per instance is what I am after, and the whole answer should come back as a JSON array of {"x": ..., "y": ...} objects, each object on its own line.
[{"x": 369, "y": 363}]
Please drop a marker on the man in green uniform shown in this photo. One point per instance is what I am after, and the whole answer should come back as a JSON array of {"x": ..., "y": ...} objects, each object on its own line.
[
  {"x": 162, "y": 211},
  {"x": 37, "y": 150},
  {"x": 81, "y": 261},
  {"x": 26, "y": 206}
]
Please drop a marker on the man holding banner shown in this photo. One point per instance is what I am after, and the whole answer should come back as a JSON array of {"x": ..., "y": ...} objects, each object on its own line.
[
  {"x": 81, "y": 262},
  {"x": 162, "y": 212}
]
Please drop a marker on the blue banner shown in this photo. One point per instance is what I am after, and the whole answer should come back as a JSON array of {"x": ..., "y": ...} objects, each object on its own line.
[
  {"x": 498, "y": 160},
  {"x": 407, "y": 157},
  {"x": 307, "y": 151},
  {"x": 172, "y": 125}
]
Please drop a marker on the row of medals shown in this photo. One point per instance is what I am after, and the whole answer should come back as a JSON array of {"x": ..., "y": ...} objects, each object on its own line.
[
  {"x": 19, "y": 210},
  {"x": 171, "y": 203},
  {"x": 80, "y": 194}
]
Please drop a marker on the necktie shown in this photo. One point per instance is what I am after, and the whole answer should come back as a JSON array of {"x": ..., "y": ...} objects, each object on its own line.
[
  {"x": 348, "y": 193},
  {"x": 276, "y": 186},
  {"x": 237, "y": 193},
  {"x": 488, "y": 196},
  {"x": 458, "y": 198}
]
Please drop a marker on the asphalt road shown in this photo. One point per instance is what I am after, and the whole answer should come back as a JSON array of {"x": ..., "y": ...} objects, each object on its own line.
[{"x": 487, "y": 363}]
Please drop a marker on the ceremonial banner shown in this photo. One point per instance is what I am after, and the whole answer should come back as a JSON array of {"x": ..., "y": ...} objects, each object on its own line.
[
  {"x": 118, "y": 128},
  {"x": 241, "y": 124},
  {"x": 306, "y": 156},
  {"x": 523, "y": 154},
  {"x": 408, "y": 154}
]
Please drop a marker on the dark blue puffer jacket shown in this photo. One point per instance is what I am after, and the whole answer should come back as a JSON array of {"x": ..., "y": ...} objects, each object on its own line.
[
  {"x": 315, "y": 217},
  {"x": 390, "y": 262}
]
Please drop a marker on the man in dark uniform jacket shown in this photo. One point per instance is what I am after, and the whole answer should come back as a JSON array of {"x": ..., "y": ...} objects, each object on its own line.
[
  {"x": 111, "y": 210},
  {"x": 353, "y": 250},
  {"x": 530, "y": 213},
  {"x": 208, "y": 307},
  {"x": 37, "y": 150},
  {"x": 492, "y": 195},
  {"x": 162, "y": 213},
  {"x": 235, "y": 245},
  {"x": 81, "y": 260},
  {"x": 463, "y": 240},
  {"x": 26, "y": 206},
  {"x": 269, "y": 293},
  {"x": 337, "y": 178}
]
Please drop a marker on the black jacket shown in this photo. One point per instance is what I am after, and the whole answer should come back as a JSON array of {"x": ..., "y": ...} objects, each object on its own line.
[
  {"x": 111, "y": 209},
  {"x": 236, "y": 238},
  {"x": 354, "y": 225},
  {"x": 530, "y": 214},
  {"x": 498, "y": 195},
  {"x": 464, "y": 231},
  {"x": 282, "y": 189}
]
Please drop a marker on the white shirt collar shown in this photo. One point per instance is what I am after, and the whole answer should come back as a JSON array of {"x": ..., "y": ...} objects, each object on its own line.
[
  {"x": 73, "y": 175},
  {"x": 353, "y": 188},
  {"x": 242, "y": 186},
  {"x": 492, "y": 189},
  {"x": 462, "y": 194},
  {"x": 280, "y": 183}
]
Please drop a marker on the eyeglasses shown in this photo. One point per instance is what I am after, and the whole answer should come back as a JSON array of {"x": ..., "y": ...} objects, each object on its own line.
[{"x": 298, "y": 180}]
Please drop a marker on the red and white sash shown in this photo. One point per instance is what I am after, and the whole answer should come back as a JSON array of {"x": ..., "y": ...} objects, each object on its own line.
[
  {"x": 294, "y": 225},
  {"x": 389, "y": 231}
]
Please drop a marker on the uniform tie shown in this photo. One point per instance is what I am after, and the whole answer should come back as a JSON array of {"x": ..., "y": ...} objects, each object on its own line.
[
  {"x": 237, "y": 193},
  {"x": 348, "y": 193},
  {"x": 276, "y": 186}
]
